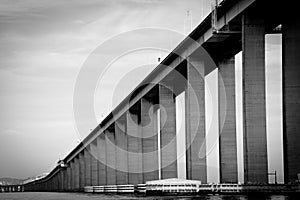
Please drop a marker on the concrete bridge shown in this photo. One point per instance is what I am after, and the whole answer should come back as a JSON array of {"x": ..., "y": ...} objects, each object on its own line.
[
  {"x": 123, "y": 148},
  {"x": 11, "y": 188}
]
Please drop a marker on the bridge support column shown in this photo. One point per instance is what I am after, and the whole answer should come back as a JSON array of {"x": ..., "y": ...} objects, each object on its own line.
[
  {"x": 135, "y": 159},
  {"x": 149, "y": 134},
  {"x": 87, "y": 158},
  {"x": 65, "y": 178},
  {"x": 81, "y": 170},
  {"x": 121, "y": 151},
  {"x": 68, "y": 177},
  {"x": 72, "y": 177},
  {"x": 254, "y": 100},
  {"x": 195, "y": 121},
  {"x": 227, "y": 122},
  {"x": 94, "y": 163},
  {"x": 56, "y": 183},
  {"x": 110, "y": 155},
  {"x": 76, "y": 173},
  {"x": 291, "y": 97},
  {"x": 62, "y": 181},
  {"x": 101, "y": 146},
  {"x": 168, "y": 144}
]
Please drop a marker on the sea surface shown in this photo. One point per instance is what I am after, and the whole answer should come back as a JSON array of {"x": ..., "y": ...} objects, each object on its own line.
[{"x": 83, "y": 196}]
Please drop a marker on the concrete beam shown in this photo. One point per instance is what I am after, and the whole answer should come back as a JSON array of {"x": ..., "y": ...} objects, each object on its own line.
[
  {"x": 291, "y": 96},
  {"x": 134, "y": 139},
  {"x": 227, "y": 122},
  {"x": 168, "y": 144},
  {"x": 121, "y": 151},
  {"x": 254, "y": 100},
  {"x": 110, "y": 156},
  {"x": 150, "y": 138},
  {"x": 195, "y": 121}
]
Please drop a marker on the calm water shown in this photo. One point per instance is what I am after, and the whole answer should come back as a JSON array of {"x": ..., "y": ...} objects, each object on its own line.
[{"x": 82, "y": 196}]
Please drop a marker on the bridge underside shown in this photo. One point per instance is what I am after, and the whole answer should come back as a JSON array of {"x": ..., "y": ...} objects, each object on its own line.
[{"x": 138, "y": 144}]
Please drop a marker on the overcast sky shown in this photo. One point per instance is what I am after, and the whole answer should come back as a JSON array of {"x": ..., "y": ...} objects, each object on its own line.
[{"x": 43, "y": 46}]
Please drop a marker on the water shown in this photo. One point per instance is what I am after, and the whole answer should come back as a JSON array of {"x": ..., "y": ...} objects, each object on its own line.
[{"x": 83, "y": 196}]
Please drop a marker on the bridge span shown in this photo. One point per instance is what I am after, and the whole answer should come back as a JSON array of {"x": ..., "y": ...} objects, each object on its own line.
[{"x": 123, "y": 148}]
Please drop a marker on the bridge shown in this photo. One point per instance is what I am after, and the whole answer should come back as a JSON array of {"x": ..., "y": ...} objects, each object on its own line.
[
  {"x": 11, "y": 188},
  {"x": 123, "y": 148}
]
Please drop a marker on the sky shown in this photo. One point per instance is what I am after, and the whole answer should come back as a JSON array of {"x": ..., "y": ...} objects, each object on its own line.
[{"x": 44, "y": 47}]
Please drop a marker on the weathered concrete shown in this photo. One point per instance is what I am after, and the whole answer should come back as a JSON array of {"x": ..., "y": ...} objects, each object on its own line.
[
  {"x": 76, "y": 173},
  {"x": 65, "y": 180},
  {"x": 168, "y": 143},
  {"x": 101, "y": 146},
  {"x": 135, "y": 159},
  {"x": 81, "y": 170},
  {"x": 110, "y": 156},
  {"x": 195, "y": 121},
  {"x": 94, "y": 163},
  {"x": 62, "y": 180},
  {"x": 72, "y": 176},
  {"x": 227, "y": 122},
  {"x": 121, "y": 151},
  {"x": 87, "y": 158},
  {"x": 254, "y": 100},
  {"x": 291, "y": 96},
  {"x": 149, "y": 140}
]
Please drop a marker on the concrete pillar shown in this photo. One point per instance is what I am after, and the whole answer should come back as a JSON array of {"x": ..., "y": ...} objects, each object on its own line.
[
  {"x": 87, "y": 158},
  {"x": 227, "y": 122},
  {"x": 121, "y": 150},
  {"x": 72, "y": 176},
  {"x": 254, "y": 100},
  {"x": 101, "y": 148},
  {"x": 60, "y": 181},
  {"x": 110, "y": 155},
  {"x": 94, "y": 162},
  {"x": 291, "y": 96},
  {"x": 68, "y": 177},
  {"x": 81, "y": 170},
  {"x": 65, "y": 180},
  {"x": 134, "y": 142},
  {"x": 52, "y": 185},
  {"x": 168, "y": 143},
  {"x": 76, "y": 174},
  {"x": 149, "y": 133},
  {"x": 56, "y": 183},
  {"x": 195, "y": 121}
]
